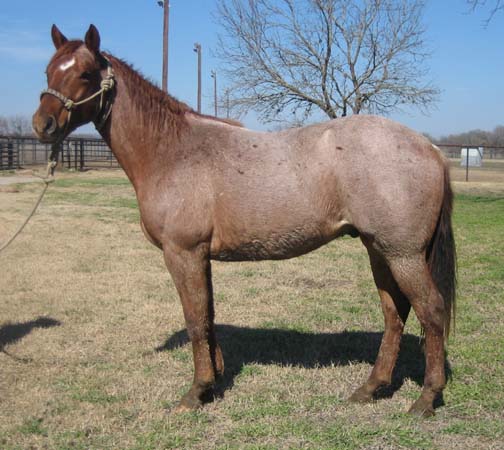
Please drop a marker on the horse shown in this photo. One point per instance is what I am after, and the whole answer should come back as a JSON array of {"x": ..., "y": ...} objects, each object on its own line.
[{"x": 210, "y": 189}]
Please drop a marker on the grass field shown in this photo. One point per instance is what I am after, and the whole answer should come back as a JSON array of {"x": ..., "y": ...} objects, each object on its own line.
[{"x": 94, "y": 351}]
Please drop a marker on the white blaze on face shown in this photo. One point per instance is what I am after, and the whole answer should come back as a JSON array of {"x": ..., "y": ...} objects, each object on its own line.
[{"x": 67, "y": 64}]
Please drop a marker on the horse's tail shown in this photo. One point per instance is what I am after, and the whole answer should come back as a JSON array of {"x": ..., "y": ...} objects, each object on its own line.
[{"x": 441, "y": 255}]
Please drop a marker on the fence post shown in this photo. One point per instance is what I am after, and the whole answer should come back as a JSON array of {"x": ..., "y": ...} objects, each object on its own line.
[
  {"x": 467, "y": 163},
  {"x": 81, "y": 154},
  {"x": 10, "y": 155},
  {"x": 75, "y": 155}
]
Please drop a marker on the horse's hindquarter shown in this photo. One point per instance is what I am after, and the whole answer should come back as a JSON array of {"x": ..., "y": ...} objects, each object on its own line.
[{"x": 392, "y": 181}]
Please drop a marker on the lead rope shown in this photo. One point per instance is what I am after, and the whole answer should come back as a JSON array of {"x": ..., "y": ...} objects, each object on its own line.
[{"x": 48, "y": 179}]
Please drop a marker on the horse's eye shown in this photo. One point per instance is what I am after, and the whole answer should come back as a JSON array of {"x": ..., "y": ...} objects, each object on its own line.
[{"x": 85, "y": 76}]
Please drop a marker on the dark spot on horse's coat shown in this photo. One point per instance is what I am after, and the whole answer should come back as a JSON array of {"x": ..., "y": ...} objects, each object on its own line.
[
  {"x": 254, "y": 145},
  {"x": 339, "y": 148},
  {"x": 241, "y": 172}
]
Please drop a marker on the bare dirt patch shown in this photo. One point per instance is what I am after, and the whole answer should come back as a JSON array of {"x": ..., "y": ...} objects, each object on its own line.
[{"x": 17, "y": 179}]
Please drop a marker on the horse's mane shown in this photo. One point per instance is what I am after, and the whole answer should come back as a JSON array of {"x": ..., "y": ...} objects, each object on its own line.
[{"x": 161, "y": 108}]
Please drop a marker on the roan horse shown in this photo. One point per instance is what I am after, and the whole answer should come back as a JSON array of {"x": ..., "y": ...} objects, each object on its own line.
[{"x": 212, "y": 190}]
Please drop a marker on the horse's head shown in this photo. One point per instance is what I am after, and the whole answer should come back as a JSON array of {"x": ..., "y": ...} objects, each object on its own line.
[{"x": 78, "y": 75}]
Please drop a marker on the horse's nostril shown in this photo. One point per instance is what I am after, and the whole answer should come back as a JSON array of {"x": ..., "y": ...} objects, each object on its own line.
[{"x": 50, "y": 126}]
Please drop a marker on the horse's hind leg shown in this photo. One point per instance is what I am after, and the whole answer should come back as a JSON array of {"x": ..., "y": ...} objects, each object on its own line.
[
  {"x": 414, "y": 279},
  {"x": 395, "y": 308},
  {"x": 191, "y": 273}
]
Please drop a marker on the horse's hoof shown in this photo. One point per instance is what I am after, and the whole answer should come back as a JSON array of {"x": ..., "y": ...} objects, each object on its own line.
[
  {"x": 180, "y": 409},
  {"x": 361, "y": 396},
  {"x": 422, "y": 408},
  {"x": 187, "y": 404}
]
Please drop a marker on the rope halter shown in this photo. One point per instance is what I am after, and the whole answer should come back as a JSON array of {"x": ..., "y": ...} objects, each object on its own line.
[{"x": 106, "y": 85}]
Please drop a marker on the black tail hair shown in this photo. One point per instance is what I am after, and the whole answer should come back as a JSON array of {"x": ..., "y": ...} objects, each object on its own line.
[{"x": 442, "y": 257}]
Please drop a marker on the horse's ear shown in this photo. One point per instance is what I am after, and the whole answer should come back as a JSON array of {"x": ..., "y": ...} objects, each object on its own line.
[
  {"x": 92, "y": 39},
  {"x": 58, "y": 37}
]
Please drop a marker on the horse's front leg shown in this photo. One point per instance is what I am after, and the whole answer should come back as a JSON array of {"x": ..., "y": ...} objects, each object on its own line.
[{"x": 191, "y": 273}]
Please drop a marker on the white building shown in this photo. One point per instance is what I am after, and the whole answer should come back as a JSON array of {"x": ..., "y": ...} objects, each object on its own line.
[{"x": 475, "y": 156}]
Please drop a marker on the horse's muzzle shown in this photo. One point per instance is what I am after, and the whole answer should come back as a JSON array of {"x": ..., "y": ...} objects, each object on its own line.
[{"x": 45, "y": 126}]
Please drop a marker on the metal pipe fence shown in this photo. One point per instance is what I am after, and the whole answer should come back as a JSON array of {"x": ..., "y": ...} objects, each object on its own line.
[
  {"x": 482, "y": 163},
  {"x": 77, "y": 153},
  {"x": 9, "y": 155}
]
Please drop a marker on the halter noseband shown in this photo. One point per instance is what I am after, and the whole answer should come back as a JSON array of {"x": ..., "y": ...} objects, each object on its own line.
[{"x": 106, "y": 84}]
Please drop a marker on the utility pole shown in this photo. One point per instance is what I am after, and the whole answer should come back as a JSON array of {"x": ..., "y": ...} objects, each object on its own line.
[
  {"x": 214, "y": 76},
  {"x": 197, "y": 49},
  {"x": 165, "y": 4},
  {"x": 227, "y": 104}
]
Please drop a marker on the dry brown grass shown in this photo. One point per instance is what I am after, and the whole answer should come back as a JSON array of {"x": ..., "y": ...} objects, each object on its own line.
[
  {"x": 492, "y": 171},
  {"x": 94, "y": 350}
]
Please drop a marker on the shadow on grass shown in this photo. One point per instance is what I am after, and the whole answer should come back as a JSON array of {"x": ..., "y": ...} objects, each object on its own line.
[
  {"x": 242, "y": 346},
  {"x": 11, "y": 333}
]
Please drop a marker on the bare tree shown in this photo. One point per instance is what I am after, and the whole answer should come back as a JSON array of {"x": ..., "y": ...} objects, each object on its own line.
[
  {"x": 4, "y": 126},
  {"x": 492, "y": 7},
  {"x": 19, "y": 125},
  {"x": 476, "y": 137},
  {"x": 339, "y": 57}
]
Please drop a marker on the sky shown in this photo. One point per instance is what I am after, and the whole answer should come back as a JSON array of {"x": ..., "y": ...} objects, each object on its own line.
[{"x": 467, "y": 62}]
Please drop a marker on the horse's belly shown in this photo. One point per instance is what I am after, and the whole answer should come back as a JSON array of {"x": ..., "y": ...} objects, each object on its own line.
[{"x": 277, "y": 244}]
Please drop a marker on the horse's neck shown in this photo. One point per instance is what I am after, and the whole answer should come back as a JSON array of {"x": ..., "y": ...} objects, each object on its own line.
[{"x": 133, "y": 138}]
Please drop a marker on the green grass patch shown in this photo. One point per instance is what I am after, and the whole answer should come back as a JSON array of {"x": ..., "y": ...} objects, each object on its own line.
[
  {"x": 33, "y": 426},
  {"x": 90, "y": 182},
  {"x": 490, "y": 429},
  {"x": 88, "y": 391}
]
